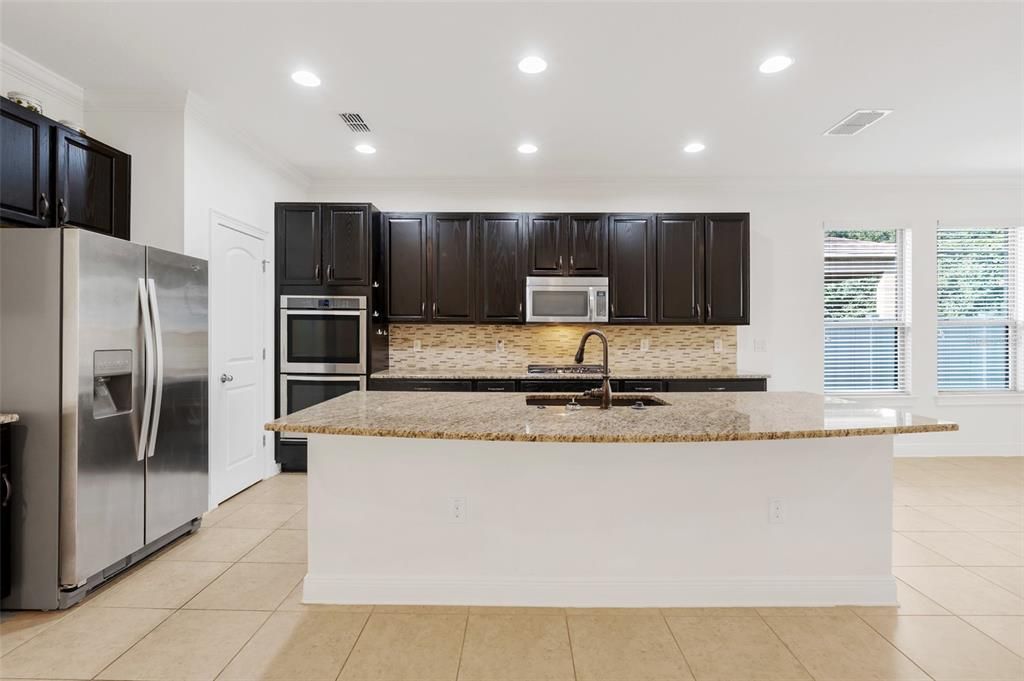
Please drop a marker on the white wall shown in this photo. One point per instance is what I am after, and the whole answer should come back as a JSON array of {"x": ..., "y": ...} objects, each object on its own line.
[
  {"x": 228, "y": 173},
  {"x": 151, "y": 127},
  {"x": 787, "y": 220}
]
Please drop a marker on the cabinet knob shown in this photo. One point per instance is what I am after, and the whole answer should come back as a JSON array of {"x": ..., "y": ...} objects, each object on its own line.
[
  {"x": 376, "y": 284},
  {"x": 44, "y": 206}
]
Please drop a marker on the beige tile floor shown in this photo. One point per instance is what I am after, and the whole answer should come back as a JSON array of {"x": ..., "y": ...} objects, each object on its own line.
[{"x": 226, "y": 604}]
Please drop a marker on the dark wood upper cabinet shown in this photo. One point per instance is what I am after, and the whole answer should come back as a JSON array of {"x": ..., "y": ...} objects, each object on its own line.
[
  {"x": 299, "y": 244},
  {"x": 587, "y": 242},
  {"x": 631, "y": 268},
  {"x": 405, "y": 243},
  {"x": 546, "y": 236},
  {"x": 727, "y": 268},
  {"x": 452, "y": 268},
  {"x": 501, "y": 259},
  {"x": 92, "y": 185},
  {"x": 26, "y": 196},
  {"x": 346, "y": 245},
  {"x": 680, "y": 271}
]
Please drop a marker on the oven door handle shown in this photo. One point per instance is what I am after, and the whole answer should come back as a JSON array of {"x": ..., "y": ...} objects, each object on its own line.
[{"x": 331, "y": 313}]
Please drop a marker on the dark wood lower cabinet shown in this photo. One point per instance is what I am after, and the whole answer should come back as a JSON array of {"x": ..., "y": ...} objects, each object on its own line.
[{"x": 548, "y": 385}]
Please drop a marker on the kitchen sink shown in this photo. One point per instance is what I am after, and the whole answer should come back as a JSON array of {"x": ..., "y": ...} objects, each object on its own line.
[{"x": 618, "y": 400}]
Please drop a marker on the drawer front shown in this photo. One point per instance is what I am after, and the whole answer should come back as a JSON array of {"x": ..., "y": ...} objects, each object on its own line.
[
  {"x": 557, "y": 386},
  {"x": 642, "y": 386},
  {"x": 496, "y": 386},
  {"x": 421, "y": 386},
  {"x": 720, "y": 386}
]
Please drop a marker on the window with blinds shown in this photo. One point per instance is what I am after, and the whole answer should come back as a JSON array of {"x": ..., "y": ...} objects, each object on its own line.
[
  {"x": 979, "y": 307},
  {"x": 866, "y": 310}
]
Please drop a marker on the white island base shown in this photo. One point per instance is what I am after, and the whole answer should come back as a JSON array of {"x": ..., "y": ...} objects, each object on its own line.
[{"x": 588, "y": 525}]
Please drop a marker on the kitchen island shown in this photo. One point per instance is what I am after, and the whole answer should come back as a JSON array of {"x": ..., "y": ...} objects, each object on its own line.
[{"x": 743, "y": 499}]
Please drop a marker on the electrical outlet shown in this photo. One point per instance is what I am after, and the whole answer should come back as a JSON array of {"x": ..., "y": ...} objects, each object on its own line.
[
  {"x": 718, "y": 345},
  {"x": 776, "y": 512},
  {"x": 645, "y": 344},
  {"x": 457, "y": 509},
  {"x": 760, "y": 345},
  {"x": 499, "y": 346},
  {"x": 417, "y": 345}
]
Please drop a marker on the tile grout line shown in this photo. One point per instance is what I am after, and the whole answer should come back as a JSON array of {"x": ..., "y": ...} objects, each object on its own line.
[
  {"x": 568, "y": 636},
  {"x": 784, "y": 644},
  {"x": 462, "y": 647},
  {"x": 892, "y": 645},
  {"x": 242, "y": 647},
  {"x": 366, "y": 620},
  {"x": 671, "y": 633}
]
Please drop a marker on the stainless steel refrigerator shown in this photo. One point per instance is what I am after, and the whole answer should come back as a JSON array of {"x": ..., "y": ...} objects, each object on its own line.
[{"x": 103, "y": 353}]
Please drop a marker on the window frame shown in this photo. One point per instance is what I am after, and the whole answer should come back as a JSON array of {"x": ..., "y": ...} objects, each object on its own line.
[
  {"x": 1014, "y": 321},
  {"x": 902, "y": 324}
]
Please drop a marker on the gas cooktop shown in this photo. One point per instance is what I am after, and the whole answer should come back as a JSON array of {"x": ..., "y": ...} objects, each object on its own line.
[{"x": 568, "y": 369}]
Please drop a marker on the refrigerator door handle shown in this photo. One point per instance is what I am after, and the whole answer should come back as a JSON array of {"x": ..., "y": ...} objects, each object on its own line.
[
  {"x": 147, "y": 339},
  {"x": 158, "y": 392}
]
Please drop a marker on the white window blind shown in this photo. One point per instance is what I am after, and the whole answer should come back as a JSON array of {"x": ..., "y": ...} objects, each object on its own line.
[
  {"x": 979, "y": 298},
  {"x": 866, "y": 310}
]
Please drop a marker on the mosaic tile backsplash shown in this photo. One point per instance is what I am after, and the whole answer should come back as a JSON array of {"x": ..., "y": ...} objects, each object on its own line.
[{"x": 465, "y": 347}]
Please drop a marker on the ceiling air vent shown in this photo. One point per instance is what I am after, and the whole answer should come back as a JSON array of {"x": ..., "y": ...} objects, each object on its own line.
[
  {"x": 355, "y": 122},
  {"x": 857, "y": 121}
]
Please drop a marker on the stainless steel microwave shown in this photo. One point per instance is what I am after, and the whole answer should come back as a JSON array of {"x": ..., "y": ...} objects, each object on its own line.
[
  {"x": 567, "y": 299},
  {"x": 323, "y": 334}
]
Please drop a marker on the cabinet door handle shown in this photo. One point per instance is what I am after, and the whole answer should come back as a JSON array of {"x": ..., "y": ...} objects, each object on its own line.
[
  {"x": 435, "y": 308},
  {"x": 644, "y": 389},
  {"x": 572, "y": 262},
  {"x": 716, "y": 388},
  {"x": 559, "y": 262},
  {"x": 496, "y": 390},
  {"x": 330, "y": 272},
  {"x": 376, "y": 284},
  {"x": 423, "y": 308},
  {"x": 709, "y": 311},
  {"x": 422, "y": 388},
  {"x": 44, "y": 206},
  {"x": 316, "y": 272},
  {"x": 696, "y": 310},
  {"x": 376, "y": 314},
  {"x": 7, "y": 494},
  {"x": 62, "y": 212},
  {"x": 520, "y": 307}
]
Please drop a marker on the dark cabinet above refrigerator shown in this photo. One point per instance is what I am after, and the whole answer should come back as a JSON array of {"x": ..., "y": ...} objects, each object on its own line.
[{"x": 53, "y": 176}]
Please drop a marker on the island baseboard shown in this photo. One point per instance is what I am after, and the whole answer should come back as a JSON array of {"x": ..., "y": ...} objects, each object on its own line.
[{"x": 682, "y": 593}]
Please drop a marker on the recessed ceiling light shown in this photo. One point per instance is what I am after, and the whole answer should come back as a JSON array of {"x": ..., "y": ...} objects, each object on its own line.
[
  {"x": 693, "y": 147},
  {"x": 527, "y": 148},
  {"x": 366, "y": 149},
  {"x": 775, "y": 64},
  {"x": 532, "y": 64},
  {"x": 307, "y": 78}
]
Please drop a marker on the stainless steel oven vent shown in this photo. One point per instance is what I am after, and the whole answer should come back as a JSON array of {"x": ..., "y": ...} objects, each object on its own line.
[
  {"x": 856, "y": 122},
  {"x": 355, "y": 122}
]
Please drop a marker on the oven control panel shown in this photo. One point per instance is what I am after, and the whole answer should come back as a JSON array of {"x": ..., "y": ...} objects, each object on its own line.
[{"x": 323, "y": 302}]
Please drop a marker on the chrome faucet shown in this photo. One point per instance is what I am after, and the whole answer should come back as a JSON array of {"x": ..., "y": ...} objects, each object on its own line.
[{"x": 605, "y": 391}]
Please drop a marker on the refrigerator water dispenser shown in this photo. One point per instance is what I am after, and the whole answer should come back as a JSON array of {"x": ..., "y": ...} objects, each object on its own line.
[{"x": 111, "y": 383}]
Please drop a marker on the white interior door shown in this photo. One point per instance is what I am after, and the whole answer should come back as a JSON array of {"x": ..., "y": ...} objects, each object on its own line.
[{"x": 237, "y": 326}]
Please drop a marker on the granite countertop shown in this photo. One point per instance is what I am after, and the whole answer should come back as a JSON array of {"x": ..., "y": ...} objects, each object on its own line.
[
  {"x": 8, "y": 418},
  {"x": 498, "y": 375},
  {"x": 686, "y": 417}
]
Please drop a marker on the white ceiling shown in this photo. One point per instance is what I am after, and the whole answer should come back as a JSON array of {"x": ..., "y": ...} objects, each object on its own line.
[{"x": 628, "y": 84}]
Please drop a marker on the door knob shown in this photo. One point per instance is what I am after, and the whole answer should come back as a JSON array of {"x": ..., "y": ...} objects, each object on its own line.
[{"x": 226, "y": 378}]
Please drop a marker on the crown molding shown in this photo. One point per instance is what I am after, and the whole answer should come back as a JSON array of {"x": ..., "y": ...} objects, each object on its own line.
[
  {"x": 460, "y": 184},
  {"x": 40, "y": 77},
  {"x": 135, "y": 100},
  {"x": 196, "y": 106}
]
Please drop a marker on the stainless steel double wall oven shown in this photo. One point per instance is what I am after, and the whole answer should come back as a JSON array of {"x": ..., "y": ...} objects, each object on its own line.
[{"x": 323, "y": 346}]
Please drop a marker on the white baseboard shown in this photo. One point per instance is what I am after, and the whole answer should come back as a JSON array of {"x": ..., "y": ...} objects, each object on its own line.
[
  {"x": 736, "y": 592},
  {"x": 966, "y": 449}
]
